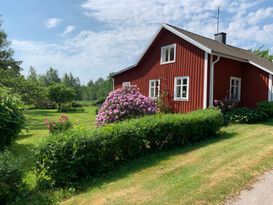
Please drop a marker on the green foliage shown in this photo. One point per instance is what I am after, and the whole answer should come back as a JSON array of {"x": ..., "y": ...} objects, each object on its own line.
[
  {"x": 266, "y": 107},
  {"x": 11, "y": 178},
  {"x": 245, "y": 115},
  {"x": 51, "y": 77},
  {"x": 265, "y": 53},
  {"x": 65, "y": 158},
  {"x": 61, "y": 94},
  {"x": 11, "y": 117}
]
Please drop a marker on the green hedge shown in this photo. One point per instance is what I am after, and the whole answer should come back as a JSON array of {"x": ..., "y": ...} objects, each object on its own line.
[
  {"x": 266, "y": 107},
  {"x": 68, "y": 157},
  {"x": 11, "y": 117},
  {"x": 11, "y": 178},
  {"x": 245, "y": 115}
]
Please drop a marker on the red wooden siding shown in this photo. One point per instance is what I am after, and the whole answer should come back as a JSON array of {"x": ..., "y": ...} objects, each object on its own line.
[
  {"x": 254, "y": 82},
  {"x": 189, "y": 62}
]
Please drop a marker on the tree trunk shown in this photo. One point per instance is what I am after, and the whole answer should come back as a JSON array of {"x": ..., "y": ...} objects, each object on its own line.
[{"x": 59, "y": 107}]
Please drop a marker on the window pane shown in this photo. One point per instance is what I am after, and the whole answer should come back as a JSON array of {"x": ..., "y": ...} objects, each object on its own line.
[
  {"x": 232, "y": 82},
  {"x": 184, "y": 91},
  {"x": 185, "y": 81},
  {"x": 152, "y": 83},
  {"x": 166, "y": 55},
  {"x": 178, "y": 81},
  {"x": 237, "y": 82},
  {"x": 152, "y": 92},
  {"x": 171, "y": 53},
  {"x": 178, "y": 91},
  {"x": 236, "y": 94}
]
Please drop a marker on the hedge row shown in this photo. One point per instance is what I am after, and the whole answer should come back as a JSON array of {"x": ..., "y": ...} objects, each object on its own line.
[
  {"x": 66, "y": 158},
  {"x": 263, "y": 112}
]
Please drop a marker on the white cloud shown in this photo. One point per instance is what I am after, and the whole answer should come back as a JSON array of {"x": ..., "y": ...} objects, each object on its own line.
[
  {"x": 260, "y": 14},
  {"x": 131, "y": 24},
  {"x": 52, "y": 22},
  {"x": 69, "y": 29}
]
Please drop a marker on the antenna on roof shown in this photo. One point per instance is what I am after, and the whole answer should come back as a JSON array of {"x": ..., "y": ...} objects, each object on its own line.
[{"x": 218, "y": 19}]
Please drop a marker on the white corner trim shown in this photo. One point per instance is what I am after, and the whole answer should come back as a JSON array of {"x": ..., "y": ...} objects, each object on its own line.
[
  {"x": 186, "y": 38},
  {"x": 205, "y": 86},
  {"x": 211, "y": 90},
  {"x": 269, "y": 87}
]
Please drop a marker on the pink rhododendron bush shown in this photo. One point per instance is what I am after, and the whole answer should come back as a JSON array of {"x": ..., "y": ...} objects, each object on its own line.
[{"x": 125, "y": 103}]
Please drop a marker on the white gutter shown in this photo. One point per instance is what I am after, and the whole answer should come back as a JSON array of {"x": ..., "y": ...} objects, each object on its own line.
[{"x": 212, "y": 63}]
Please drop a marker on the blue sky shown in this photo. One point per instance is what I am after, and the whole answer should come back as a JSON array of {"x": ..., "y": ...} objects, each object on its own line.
[{"x": 92, "y": 38}]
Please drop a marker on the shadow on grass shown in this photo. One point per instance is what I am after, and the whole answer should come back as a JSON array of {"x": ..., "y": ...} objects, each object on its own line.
[{"x": 148, "y": 161}]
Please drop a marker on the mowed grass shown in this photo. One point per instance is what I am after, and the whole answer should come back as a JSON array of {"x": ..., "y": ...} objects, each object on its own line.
[
  {"x": 24, "y": 146},
  {"x": 206, "y": 173}
]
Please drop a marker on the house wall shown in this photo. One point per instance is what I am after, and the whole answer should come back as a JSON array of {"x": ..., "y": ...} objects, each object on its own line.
[
  {"x": 254, "y": 81},
  {"x": 189, "y": 62}
]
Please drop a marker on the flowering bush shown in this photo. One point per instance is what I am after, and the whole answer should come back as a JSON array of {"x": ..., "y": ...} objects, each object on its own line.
[
  {"x": 61, "y": 125},
  {"x": 225, "y": 105},
  {"x": 125, "y": 103}
]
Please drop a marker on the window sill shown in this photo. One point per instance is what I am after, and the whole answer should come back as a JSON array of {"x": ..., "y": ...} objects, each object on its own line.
[
  {"x": 181, "y": 99},
  {"x": 163, "y": 63}
]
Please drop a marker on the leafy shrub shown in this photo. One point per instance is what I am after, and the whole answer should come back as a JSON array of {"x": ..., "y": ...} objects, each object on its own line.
[
  {"x": 76, "y": 104},
  {"x": 11, "y": 183},
  {"x": 11, "y": 117},
  {"x": 125, "y": 103},
  {"x": 70, "y": 108},
  {"x": 62, "y": 125},
  {"x": 70, "y": 156},
  {"x": 266, "y": 107},
  {"x": 245, "y": 115},
  {"x": 99, "y": 101}
]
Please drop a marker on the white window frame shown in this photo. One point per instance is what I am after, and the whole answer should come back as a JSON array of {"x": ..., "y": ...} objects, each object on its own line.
[
  {"x": 163, "y": 51},
  {"x": 182, "y": 85},
  {"x": 239, "y": 90},
  {"x": 156, "y": 87},
  {"x": 126, "y": 84}
]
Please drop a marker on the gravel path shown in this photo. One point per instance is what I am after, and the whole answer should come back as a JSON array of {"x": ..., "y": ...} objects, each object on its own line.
[{"x": 260, "y": 194}]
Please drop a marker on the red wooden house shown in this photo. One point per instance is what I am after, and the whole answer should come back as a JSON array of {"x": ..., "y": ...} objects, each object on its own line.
[{"x": 192, "y": 71}]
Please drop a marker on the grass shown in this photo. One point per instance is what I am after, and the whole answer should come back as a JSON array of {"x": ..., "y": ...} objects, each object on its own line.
[
  {"x": 24, "y": 146},
  {"x": 205, "y": 173}
]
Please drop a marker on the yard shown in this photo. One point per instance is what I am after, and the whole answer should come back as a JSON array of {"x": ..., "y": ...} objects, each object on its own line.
[{"x": 206, "y": 173}]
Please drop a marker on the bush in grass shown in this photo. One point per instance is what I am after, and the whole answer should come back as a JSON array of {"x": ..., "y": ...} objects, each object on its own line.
[
  {"x": 11, "y": 117},
  {"x": 62, "y": 125},
  {"x": 266, "y": 107},
  {"x": 11, "y": 178},
  {"x": 226, "y": 104},
  {"x": 73, "y": 155},
  {"x": 125, "y": 103},
  {"x": 245, "y": 115}
]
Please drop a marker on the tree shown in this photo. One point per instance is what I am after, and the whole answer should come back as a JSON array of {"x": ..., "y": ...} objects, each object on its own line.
[
  {"x": 59, "y": 94},
  {"x": 51, "y": 77},
  {"x": 70, "y": 81},
  {"x": 265, "y": 53},
  {"x": 7, "y": 61},
  {"x": 32, "y": 74}
]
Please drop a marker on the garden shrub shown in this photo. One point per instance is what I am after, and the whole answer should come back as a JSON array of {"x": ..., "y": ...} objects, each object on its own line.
[
  {"x": 245, "y": 115},
  {"x": 71, "y": 156},
  {"x": 125, "y": 103},
  {"x": 11, "y": 117},
  {"x": 11, "y": 178},
  {"x": 62, "y": 125},
  {"x": 266, "y": 107}
]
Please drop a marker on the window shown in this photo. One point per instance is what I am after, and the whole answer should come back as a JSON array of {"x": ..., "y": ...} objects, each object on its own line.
[
  {"x": 168, "y": 54},
  {"x": 181, "y": 88},
  {"x": 154, "y": 88},
  {"x": 235, "y": 88},
  {"x": 126, "y": 84}
]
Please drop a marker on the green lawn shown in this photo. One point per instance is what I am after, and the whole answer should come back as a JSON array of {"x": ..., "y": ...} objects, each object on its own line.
[
  {"x": 25, "y": 145},
  {"x": 206, "y": 173}
]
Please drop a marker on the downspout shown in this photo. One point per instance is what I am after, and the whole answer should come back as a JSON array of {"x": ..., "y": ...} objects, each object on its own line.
[{"x": 211, "y": 91}]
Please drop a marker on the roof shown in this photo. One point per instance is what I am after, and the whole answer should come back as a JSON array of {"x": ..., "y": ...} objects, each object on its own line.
[{"x": 212, "y": 47}]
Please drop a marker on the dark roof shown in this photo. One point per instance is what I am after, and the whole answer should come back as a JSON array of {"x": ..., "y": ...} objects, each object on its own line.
[{"x": 218, "y": 48}]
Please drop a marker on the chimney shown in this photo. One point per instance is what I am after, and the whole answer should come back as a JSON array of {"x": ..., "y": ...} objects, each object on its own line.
[{"x": 220, "y": 37}]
